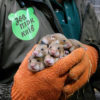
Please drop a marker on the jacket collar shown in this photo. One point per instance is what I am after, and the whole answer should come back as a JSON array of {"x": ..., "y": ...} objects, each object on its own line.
[
  {"x": 22, "y": 3},
  {"x": 37, "y": 0},
  {"x": 34, "y": 0}
]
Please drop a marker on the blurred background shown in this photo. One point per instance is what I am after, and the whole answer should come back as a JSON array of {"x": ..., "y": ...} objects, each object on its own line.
[{"x": 96, "y": 5}]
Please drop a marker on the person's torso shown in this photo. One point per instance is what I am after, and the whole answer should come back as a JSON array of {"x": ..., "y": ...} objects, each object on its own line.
[{"x": 20, "y": 29}]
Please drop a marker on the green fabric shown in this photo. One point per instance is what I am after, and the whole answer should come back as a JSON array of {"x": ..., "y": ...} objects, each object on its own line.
[{"x": 69, "y": 19}]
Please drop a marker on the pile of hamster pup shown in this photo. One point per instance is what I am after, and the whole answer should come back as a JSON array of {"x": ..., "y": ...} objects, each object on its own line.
[{"x": 49, "y": 50}]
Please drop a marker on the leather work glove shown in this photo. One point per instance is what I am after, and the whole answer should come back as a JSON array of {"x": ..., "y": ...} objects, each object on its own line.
[
  {"x": 46, "y": 84},
  {"x": 83, "y": 70}
]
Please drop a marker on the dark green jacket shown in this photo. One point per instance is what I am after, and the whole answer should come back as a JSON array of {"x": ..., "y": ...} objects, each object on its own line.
[{"x": 14, "y": 47}]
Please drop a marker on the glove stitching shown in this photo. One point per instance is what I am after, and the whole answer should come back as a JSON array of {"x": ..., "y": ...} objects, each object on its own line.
[{"x": 90, "y": 68}]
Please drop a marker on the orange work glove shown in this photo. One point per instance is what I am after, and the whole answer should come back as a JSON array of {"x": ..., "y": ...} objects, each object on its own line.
[
  {"x": 46, "y": 84},
  {"x": 82, "y": 71}
]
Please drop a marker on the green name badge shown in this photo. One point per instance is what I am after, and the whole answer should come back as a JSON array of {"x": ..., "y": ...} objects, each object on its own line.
[{"x": 25, "y": 24}]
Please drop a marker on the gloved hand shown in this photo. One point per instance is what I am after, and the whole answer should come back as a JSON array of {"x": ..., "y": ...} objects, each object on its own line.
[
  {"x": 46, "y": 84},
  {"x": 83, "y": 70}
]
